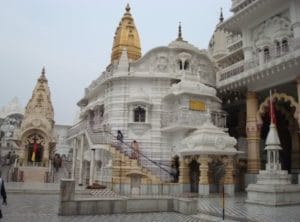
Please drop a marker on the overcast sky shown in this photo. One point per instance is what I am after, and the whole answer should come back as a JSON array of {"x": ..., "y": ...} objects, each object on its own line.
[{"x": 73, "y": 40}]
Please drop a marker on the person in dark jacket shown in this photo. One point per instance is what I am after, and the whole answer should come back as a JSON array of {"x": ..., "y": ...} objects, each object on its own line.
[
  {"x": 120, "y": 136},
  {"x": 3, "y": 194}
]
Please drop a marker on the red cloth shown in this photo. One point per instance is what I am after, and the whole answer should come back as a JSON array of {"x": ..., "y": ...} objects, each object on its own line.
[
  {"x": 34, "y": 152},
  {"x": 272, "y": 113}
]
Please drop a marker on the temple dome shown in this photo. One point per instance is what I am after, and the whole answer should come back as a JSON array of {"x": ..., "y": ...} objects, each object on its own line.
[
  {"x": 217, "y": 47},
  {"x": 179, "y": 43},
  {"x": 14, "y": 107},
  {"x": 208, "y": 140}
]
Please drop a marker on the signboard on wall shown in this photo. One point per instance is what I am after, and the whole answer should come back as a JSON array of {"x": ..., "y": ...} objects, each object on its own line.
[{"x": 197, "y": 105}]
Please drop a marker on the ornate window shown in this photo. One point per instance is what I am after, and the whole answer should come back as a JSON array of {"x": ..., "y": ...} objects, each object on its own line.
[
  {"x": 139, "y": 114},
  {"x": 183, "y": 65},
  {"x": 285, "y": 46},
  {"x": 186, "y": 65},
  {"x": 278, "y": 48},
  {"x": 266, "y": 54},
  {"x": 180, "y": 65}
]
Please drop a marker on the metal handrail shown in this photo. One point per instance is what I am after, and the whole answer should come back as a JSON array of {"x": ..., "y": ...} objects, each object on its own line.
[{"x": 126, "y": 149}]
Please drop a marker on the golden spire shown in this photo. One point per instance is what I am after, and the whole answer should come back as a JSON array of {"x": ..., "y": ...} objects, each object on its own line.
[{"x": 126, "y": 36}]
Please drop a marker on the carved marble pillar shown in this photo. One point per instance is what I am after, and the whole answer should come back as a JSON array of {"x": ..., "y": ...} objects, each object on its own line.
[
  {"x": 46, "y": 154},
  {"x": 92, "y": 167},
  {"x": 253, "y": 134},
  {"x": 74, "y": 158},
  {"x": 295, "y": 21},
  {"x": 228, "y": 177},
  {"x": 184, "y": 173},
  {"x": 295, "y": 154},
  {"x": 247, "y": 45},
  {"x": 80, "y": 180},
  {"x": 203, "y": 179}
]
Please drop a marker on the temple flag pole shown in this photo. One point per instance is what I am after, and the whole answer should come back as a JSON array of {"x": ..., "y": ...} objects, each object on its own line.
[{"x": 272, "y": 111}]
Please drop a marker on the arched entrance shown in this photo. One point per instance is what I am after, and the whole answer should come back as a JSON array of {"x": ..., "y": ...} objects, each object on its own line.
[
  {"x": 35, "y": 144},
  {"x": 287, "y": 127},
  {"x": 194, "y": 176},
  {"x": 216, "y": 175}
]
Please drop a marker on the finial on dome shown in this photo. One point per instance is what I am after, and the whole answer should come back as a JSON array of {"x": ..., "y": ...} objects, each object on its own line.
[
  {"x": 43, "y": 71},
  {"x": 221, "y": 16},
  {"x": 43, "y": 75},
  {"x": 127, "y": 8},
  {"x": 179, "y": 38}
]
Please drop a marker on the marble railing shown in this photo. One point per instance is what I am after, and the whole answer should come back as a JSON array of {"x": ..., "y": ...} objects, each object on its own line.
[
  {"x": 259, "y": 59},
  {"x": 230, "y": 71},
  {"x": 237, "y": 5},
  {"x": 238, "y": 44},
  {"x": 192, "y": 118},
  {"x": 77, "y": 128},
  {"x": 100, "y": 137}
]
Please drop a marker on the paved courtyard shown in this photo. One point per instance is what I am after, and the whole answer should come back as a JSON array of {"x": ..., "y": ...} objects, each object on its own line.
[
  {"x": 44, "y": 208},
  {"x": 237, "y": 209},
  {"x": 39, "y": 203}
]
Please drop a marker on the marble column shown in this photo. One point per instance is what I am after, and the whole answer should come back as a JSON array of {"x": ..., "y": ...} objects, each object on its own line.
[
  {"x": 203, "y": 179},
  {"x": 92, "y": 167},
  {"x": 184, "y": 173},
  {"x": 228, "y": 177},
  {"x": 46, "y": 155},
  {"x": 253, "y": 134},
  {"x": 81, "y": 159},
  {"x": 247, "y": 47},
  {"x": 74, "y": 158}
]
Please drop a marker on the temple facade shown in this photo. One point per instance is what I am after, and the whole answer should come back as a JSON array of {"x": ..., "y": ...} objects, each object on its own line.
[
  {"x": 198, "y": 118},
  {"x": 257, "y": 50},
  {"x": 153, "y": 102}
]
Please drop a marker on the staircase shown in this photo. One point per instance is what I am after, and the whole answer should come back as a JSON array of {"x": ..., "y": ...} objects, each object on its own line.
[{"x": 123, "y": 150}]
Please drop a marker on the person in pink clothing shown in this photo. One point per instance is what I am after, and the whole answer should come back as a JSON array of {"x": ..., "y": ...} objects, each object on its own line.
[{"x": 135, "y": 152}]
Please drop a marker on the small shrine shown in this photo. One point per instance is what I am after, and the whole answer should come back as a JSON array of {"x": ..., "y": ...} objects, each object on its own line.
[
  {"x": 206, "y": 145},
  {"x": 273, "y": 186},
  {"x": 36, "y": 136}
]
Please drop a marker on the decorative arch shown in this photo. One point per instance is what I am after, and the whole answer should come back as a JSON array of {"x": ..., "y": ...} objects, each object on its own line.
[
  {"x": 35, "y": 145},
  {"x": 276, "y": 96}
]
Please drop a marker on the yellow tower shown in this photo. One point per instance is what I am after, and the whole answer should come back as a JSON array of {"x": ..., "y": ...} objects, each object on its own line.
[{"x": 126, "y": 36}]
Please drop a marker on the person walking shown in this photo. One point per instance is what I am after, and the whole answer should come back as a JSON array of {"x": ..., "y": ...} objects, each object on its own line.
[
  {"x": 135, "y": 153},
  {"x": 120, "y": 136},
  {"x": 3, "y": 194},
  {"x": 119, "y": 140}
]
